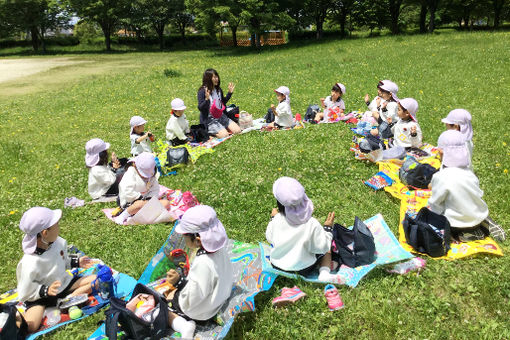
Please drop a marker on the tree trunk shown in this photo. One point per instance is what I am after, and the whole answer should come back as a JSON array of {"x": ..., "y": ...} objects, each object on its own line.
[
  {"x": 394, "y": 6},
  {"x": 498, "y": 5},
  {"x": 252, "y": 40},
  {"x": 423, "y": 18},
  {"x": 234, "y": 35},
  {"x": 106, "y": 27},
  {"x": 432, "y": 11},
  {"x": 35, "y": 37},
  {"x": 320, "y": 23},
  {"x": 159, "y": 27},
  {"x": 182, "y": 28},
  {"x": 343, "y": 19}
]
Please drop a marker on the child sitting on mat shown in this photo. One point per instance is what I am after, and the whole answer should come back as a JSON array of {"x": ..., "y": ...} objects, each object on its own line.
[
  {"x": 460, "y": 120},
  {"x": 383, "y": 106},
  {"x": 200, "y": 295},
  {"x": 299, "y": 242},
  {"x": 140, "y": 140},
  {"x": 332, "y": 105},
  {"x": 177, "y": 126},
  {"x": 456, "y": 192},
  {"x": 283, "y": 114},
  {"x": 138, "y": 185},
  {"x": 104, "y": 178},
  {"x": 42, "y": 273}
]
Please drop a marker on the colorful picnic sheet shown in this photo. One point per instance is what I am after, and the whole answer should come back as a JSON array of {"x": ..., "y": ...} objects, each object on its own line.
[
  {"x": 411, "y": 201},
  {"x": 387, "y": 248},
  {"x": 194, "y": 153},
  {"x": 248, "y": 276},
  {"x": 125, "y": 285},
  {"x": 179, "y": 202}
]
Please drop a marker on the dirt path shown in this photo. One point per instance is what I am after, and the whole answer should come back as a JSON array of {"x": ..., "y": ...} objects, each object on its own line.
[{"x": 11, "y": 69}]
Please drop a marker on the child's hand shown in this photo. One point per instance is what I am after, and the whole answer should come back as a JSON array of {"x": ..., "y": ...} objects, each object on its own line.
[
  {"x": 231, "y": 87},
  {"x": 322, "y": 102},
  {"x": 384, "y": 105},
  {"x": 207, "y": 94},
  {"x": 172, "y": 276},
  {"x": 378, "y": 101},
  {"x": 367, "y": 98},
  {"x": 85, "y": 262},
  {"x": 115, "y": 161},
  {"x": 374, "y": 132},
  {"x": 274, "y": 212},
  {"x": 53, "y": 288},
  {"x": 389, "y": 120},
  {"x": 330, "y": 219},
  {"x": 413, "y": 129},
  {"x": 375, "y": 114},
  {"x": 273, "y": 107}
]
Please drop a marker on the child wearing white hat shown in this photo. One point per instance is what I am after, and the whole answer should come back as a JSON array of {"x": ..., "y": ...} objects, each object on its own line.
[
  {"x": 384, "y": 106},
  {"x": 201, "y": 294},
  {"x": 140, "y": 140},
  {"x": 456, "y": 192},
  {"x": 177, "y": 127},
  {"x": 42, "y": 273},
  {"x": 407, "y": 131},
  {"x": 332, "y": 102},
  {"x": 138, "y": 185},
  {"x": 460, "y": 120},
  {"x": 282, "y": 112},
  {"x": 103, "y": 178}
]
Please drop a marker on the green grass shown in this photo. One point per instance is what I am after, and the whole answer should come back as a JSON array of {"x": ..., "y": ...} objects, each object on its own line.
[{"x": 42, "y": 152}]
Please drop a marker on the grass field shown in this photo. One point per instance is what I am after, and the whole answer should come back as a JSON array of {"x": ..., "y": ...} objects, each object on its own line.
[{"x": 47, "y": 123}]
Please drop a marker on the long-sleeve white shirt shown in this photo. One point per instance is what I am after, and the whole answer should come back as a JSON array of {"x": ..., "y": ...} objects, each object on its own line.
[
  {"x": 132, "y": 186},
  {"x": 34, "y": 271},
  {"x": 329, "y": 103},
  {"x": 391, "y": 112},
  {"x": 456, "y": 194},
  {"x": 295, "y": 247},
  {"x": 101, "y": 178},
  {"x": 283, "y": 116},
  {"x": 138, "y": 148},
  {"x": 402, "y": 134},
  {"x": 177, "y": 127},
  {"x": 210, "y": 282}
]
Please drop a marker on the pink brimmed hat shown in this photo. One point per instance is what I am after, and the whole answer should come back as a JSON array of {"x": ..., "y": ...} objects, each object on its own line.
[
  {"x": 93, "y": 148},
  {"x": 145, "y": 164},
  {"x": 455, "y": 151},
  {"x": 291, "y": 194},
  {"x": 35, "y": 220}
]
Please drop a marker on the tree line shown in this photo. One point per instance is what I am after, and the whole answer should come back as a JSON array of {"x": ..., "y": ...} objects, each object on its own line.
[{"x": 152, "y": 17}]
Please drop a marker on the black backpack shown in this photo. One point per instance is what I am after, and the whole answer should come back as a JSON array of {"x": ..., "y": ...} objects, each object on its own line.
[
  {"x": 133, "y": 326},
  {"x": 9, "y": 331},
  {"x": 177, "y": 155},
  {"x": 199, "y": 133},
  {"x": 269, "y": 117},
  {"x": 232, "y": 112},
  {"x": 311, "y": 111},
  {"x": 415, "y": 174},
  {"x": 354, "y": 247},
  {"x": 428, "y": 233}
]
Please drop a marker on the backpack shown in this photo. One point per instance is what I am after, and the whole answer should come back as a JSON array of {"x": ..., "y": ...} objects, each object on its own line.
[
  {"x": 232, "y": 112},
  {"x": 428, "y": 232},
  {"x": 416, "y": 175},
  {"x": 8, "y": 329},
  {"x": 175, "y": 156},
  {"x": 353, "y": 247},
  {"x": 269, "y": 117},
  {"x": 311, "y": 111},
  {"x": 199, "y": 133},
  {"x": 133, "y": 326}
]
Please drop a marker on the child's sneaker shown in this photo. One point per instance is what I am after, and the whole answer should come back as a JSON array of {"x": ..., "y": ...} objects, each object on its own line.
[
  {"x": 289, "y": 295},
  {"x": 495, "y": 230},
  {"x": 333, "y": 298}
]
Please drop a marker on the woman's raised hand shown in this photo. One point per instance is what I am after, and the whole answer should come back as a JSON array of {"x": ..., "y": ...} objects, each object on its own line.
[
  {"x": 231, "y": 87},
  {"x": 207, "y": 94}
]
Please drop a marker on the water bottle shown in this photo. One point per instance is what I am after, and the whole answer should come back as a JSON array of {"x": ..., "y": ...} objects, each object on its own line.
[
  {"x": 52, "y": 315},
  {"x": 104, "y": 283}
]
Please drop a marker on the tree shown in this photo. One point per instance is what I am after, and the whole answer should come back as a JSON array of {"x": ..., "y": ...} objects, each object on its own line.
[
  {"x": 432, "y": 5},
  {"x": 106, "y": 13},
  {"x": 318, "y": 9},
  {"x": 181, "y": 18},
  {"x": 35, "y": 16},
  {"x": 394, "y": 8},
  {"x": 343, "y": 9},
  {"x": 497, "y": 5}
]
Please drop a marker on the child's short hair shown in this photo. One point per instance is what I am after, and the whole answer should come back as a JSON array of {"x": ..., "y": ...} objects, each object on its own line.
[
  {"x": 281, "y": 208},
  {"x": 103, "y": 158},
  {"x": 338, "y": 87}
]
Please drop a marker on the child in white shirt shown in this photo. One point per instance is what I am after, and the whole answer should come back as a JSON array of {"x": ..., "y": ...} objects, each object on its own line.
[
  {"x": 138, "y": 185},
  {"x": 383, "y": 107},
  {"x": 209, "y": 283},
  {"x": 460, "y": 120},
  {"x": 177, "y": 127},
  {"x": 103, "y": 178},
  {"x": 332, "y": 105},
  {"x": 406, "y": 131},
  {"x": 456, "y": 192},
  {"x": 299, "y": 242},
  {"x": 42, "y": 273},
  {"x": 140, "y": 140},
  {"x": 282, "y": 112}
]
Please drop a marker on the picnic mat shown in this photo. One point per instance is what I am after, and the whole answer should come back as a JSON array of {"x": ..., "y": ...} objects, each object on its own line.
[
  {"x": 411, "y": 201},
  {"x": 125, "y": 284},
  {"x": 249, "y": 280},
  {"x": 194, "y": 153},
  {"x": 387, "y": 248},
  {"x": 153, "y": 211}
]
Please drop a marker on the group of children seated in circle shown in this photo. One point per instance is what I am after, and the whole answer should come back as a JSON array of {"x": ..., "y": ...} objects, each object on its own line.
[{"x": 300, "y": 244}]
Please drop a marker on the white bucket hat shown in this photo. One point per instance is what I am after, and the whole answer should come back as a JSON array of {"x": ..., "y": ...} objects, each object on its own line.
[
  {"x": 94, "y": 147},
  {"x": 389, "y": 86},
  {"x": 411, "y": 106},
  {"x": 342, "y": 87},
  {"x": 462, "y": 118},
  {"x": 178, "y": 104},
  {"x": 145, "y": 164},
  {"x": 202, "y": 220},
  {"x": 455, "y": 151},
  {"x": 35, "y": 220},
  {"x": 136, "y": 121},
  {"x": 285, "y": 91}
]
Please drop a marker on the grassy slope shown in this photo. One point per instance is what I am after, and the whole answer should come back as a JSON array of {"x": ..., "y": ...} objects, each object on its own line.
[{"x": 42, "y": 163}]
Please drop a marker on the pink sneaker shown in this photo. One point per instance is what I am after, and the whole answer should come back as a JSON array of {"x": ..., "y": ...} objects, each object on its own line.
[
  {"x": 289, "y": 295},
  {"x": 333, "y": 298}
]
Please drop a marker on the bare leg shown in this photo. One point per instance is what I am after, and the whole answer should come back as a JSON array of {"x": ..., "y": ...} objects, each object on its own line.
[
  {"x": 234, "y": 128},
  {"x": 222, "y": 133},
  {"x": 135, "y": 207},
  {"x": 33, "y": 317},
  {"x": 179, "y": 324},
  {"x": 326, "y": 260},
  {"x": 83, "y": 285}
]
